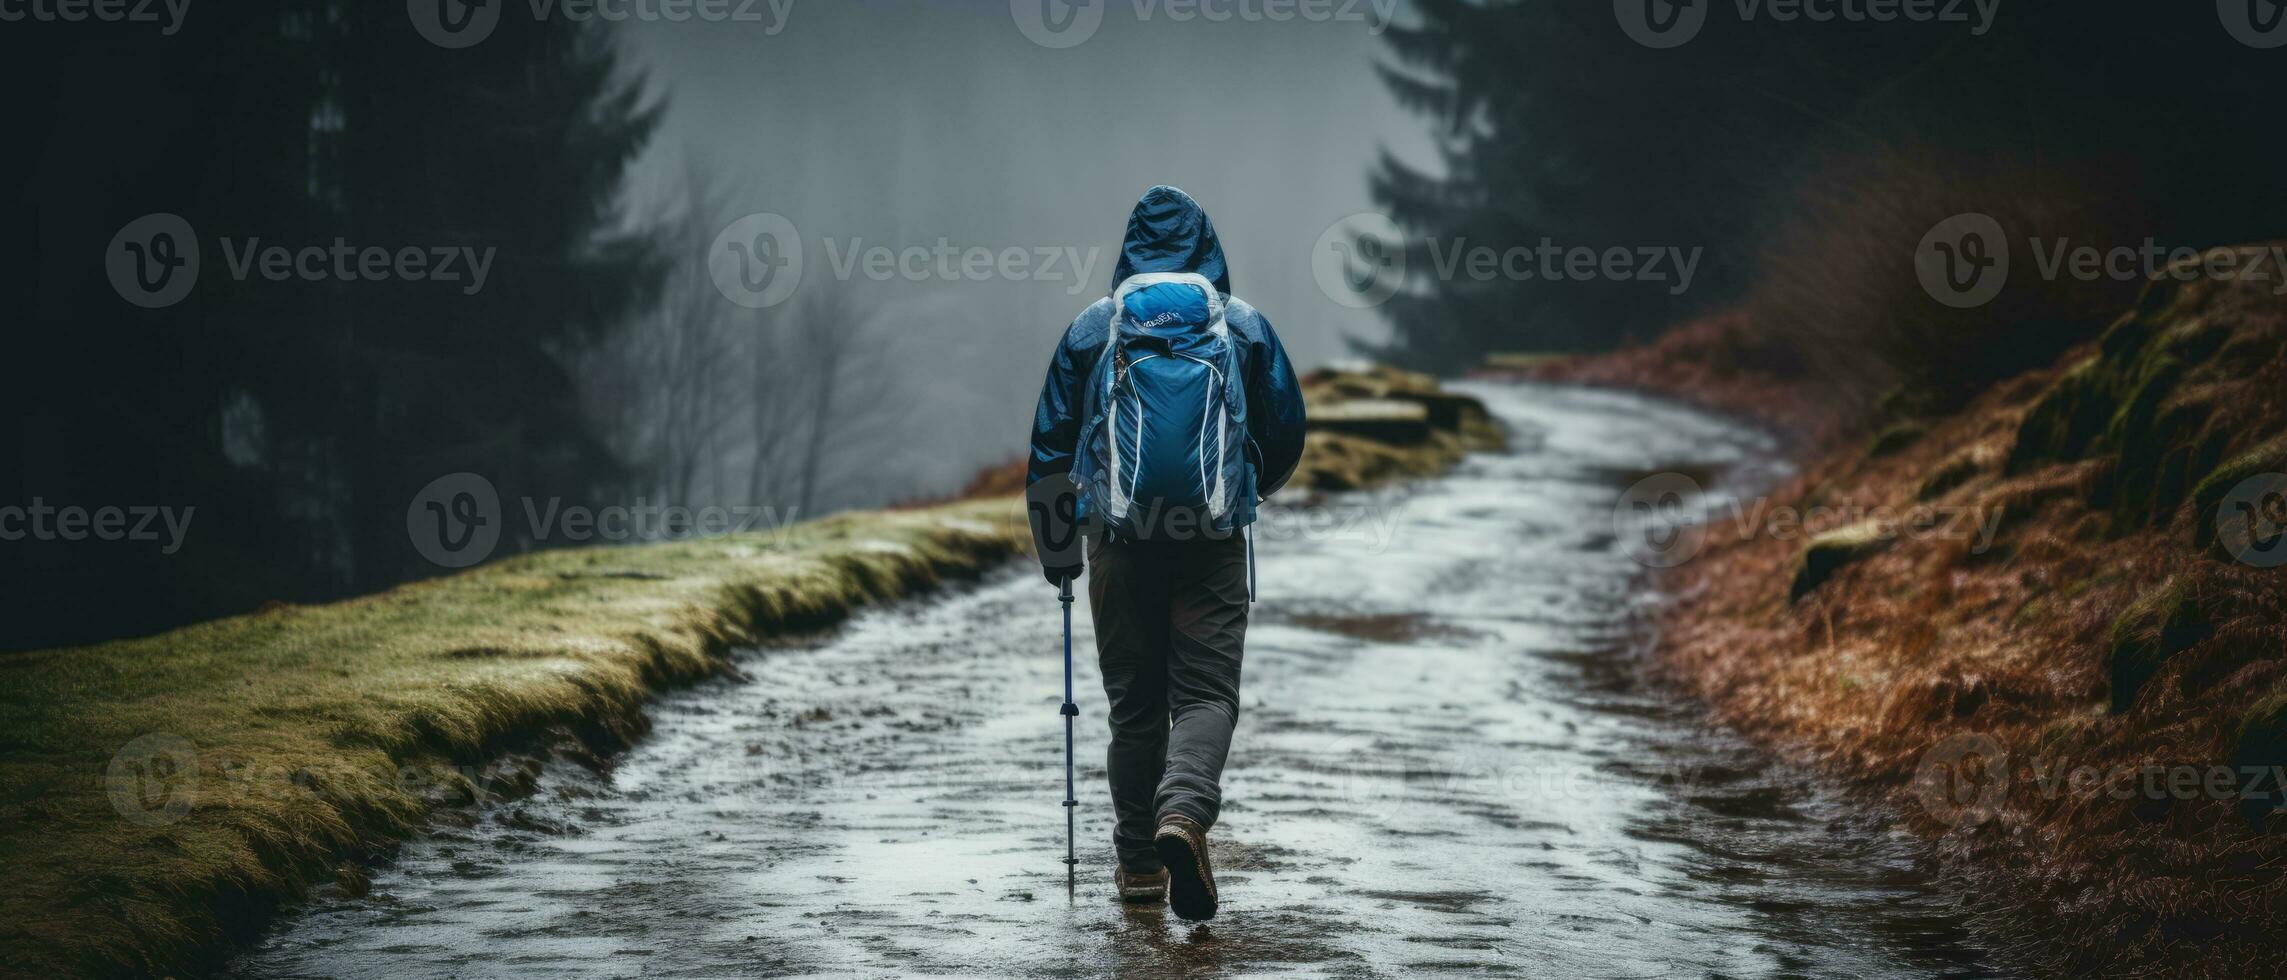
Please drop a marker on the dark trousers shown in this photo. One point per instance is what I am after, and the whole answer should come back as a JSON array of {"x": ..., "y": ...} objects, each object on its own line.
[{"x": 1171, "y": 619}]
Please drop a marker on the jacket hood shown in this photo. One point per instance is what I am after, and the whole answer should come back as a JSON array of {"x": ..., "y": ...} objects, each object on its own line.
[{"x": 1169, "y": 232}]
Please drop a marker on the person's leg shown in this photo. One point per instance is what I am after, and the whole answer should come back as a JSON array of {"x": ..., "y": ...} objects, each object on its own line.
[
  {"x": 1209, "y": 609},
  {"x": 1128, "y": 595}
]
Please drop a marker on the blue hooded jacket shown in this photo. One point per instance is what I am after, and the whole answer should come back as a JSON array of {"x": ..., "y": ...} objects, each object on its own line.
[{"x": 1168, "y": 232}]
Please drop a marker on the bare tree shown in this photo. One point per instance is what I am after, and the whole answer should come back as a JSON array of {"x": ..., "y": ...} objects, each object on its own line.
[
  {"x": 699, "y": 389},
  {"x": 662, "y": 388},
  {"x": 774, "y": 404},
  {"x": 832, "y": 381}
]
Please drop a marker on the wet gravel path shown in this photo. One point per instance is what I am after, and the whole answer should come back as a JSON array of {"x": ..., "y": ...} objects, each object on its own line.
[{"x": 1445, "y": 762}]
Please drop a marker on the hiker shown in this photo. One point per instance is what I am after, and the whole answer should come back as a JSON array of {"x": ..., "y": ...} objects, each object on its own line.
[{"x": 1173, "y": 408}]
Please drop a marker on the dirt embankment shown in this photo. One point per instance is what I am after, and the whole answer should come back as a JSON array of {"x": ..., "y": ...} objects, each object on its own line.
[{"x": 2047, "y": 628}]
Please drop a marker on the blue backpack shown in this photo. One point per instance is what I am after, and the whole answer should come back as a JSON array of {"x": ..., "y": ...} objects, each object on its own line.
[{"x": 1163, "y": 451}]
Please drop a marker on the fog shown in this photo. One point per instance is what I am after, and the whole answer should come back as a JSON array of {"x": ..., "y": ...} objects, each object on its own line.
[{"x": 915, "y": 125}]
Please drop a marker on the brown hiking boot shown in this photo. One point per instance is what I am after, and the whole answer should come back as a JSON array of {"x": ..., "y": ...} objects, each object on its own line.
[
  {"x": 1182, "y": 847},
  {"x": 1141, "y": 887}
]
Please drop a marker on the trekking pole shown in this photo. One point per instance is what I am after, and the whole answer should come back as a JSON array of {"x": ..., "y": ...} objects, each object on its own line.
[{"x": 1069, "y": 711}]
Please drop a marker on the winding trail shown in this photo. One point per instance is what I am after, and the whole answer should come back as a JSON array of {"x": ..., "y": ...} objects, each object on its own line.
[{"x": 1445, "y": 762}]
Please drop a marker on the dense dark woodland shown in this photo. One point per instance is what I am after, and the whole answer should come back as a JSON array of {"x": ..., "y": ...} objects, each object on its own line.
[
  {"x": 1809, "y": 159},
  {"x": 300, "y": 418}
]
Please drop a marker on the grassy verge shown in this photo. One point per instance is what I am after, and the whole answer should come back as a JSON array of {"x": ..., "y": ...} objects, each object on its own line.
[
  {"x": 161, "y": 793},
  {"x": 1375, "y": 425}
]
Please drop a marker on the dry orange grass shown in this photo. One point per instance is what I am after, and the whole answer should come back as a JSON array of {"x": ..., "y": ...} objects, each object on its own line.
[{"x": 2102, "y": 632}]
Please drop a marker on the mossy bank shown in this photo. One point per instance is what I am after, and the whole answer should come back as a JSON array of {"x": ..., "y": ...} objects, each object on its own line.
[
  {"x": 1370, "y": 425},
  {"x": 162, "y": 793}
]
